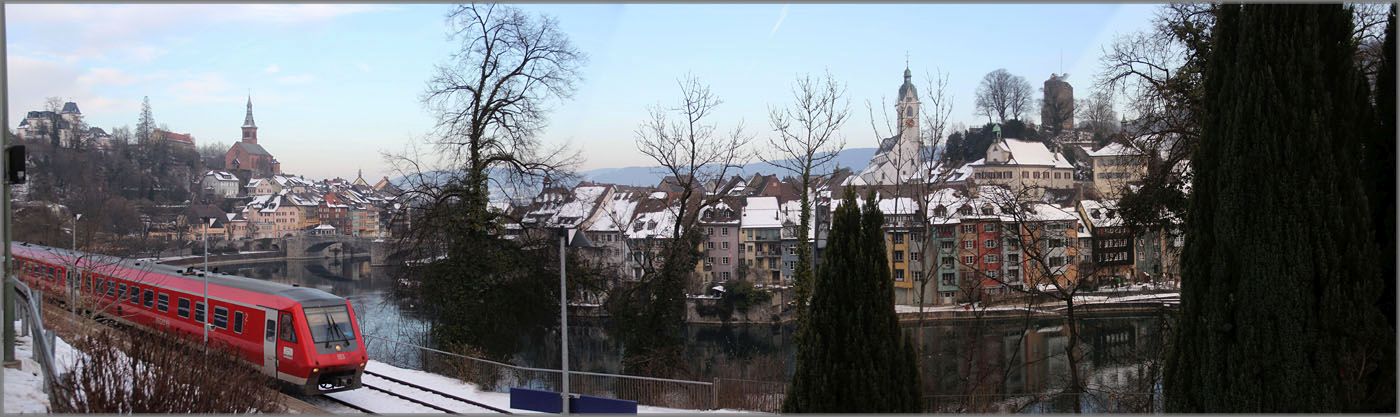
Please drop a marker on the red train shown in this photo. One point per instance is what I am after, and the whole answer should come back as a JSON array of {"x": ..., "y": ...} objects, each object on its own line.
[{"x": 303, "y": 336}]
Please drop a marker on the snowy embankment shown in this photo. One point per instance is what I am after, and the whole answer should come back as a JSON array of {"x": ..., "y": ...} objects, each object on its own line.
[
  {"x": 24, "y": 387},
  {"x": 382, "y": 403},
  {"x": 1048, "y": 307}
]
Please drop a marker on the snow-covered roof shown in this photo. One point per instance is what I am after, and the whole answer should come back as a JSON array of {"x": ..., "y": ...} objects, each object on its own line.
[
  {"x": 221, "y": 176},
  {"x": 324, "y": 227},
  {"x": 615, "y": 213},
  {"x": 760, "y": 212},
  {"x": 654, "y": 224},
  {"x": 1102, "y": 213},
  {"x": 1025, "y": 152},
  {"x": 578, "y": 208},
  {"x": 1112, "y": 149}
]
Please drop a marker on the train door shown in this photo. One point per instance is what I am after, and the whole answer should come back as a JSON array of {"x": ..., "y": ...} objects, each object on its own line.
[{"x": 270, "y": 342}]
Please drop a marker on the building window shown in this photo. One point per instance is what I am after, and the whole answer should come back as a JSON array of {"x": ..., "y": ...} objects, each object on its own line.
[
  {"x": 709, "y": 245},
  {"x": 792, "y": 250},
  {"x": 949, "y": 278},
  {"x": 916, "y": 236},
  {"x": 989, "y": 227},
  {"x": 969, "y": 228},
  {"x": 918, "y": 276},
  {"x": 969, "y": 260},
  {"x": 989, "y": 243},
  {"x": 914, "y": 256},
  {"x": 710, "y": 261},
  {"x": 709, "y": 231},
  {"x": 724, "y": 276},
  {"x": 1057, "y": 261},
  {"x": 967, "y": 244},
  {"x": 725, "y": 260},
  {"x": 724, "y": 245},
  {"x": 1013, "y": 274},
  {"x": 947, "y": 262},
  {"x": 899, "y": 275},
  {"x": 1013, "y": 258},
  {"x": 991, "y": 259},
  {"x": 1011, "y": 243},
  {"x": 724, "y": 232},
  {"x": 992, "y": 274},
  {"x": 898, "y": 237},
  {"x": 899, "y": 256},
  {"x": 1057, "y": 243}
]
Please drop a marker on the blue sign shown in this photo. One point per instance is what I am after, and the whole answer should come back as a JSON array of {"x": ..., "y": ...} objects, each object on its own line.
[
  {"x": 548, "y": 402},
  {"x": 535, "y": 400}
]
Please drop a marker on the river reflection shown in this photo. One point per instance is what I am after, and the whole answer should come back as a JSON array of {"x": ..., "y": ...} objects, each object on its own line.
[{"x": 987, "y": 365}]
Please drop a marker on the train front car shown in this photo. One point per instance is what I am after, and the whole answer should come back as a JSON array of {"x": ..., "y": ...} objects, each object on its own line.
[{"x": 334, "y": 348}]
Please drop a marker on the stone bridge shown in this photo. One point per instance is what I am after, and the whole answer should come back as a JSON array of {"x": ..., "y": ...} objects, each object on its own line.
[{"x": 345, "y": 246}]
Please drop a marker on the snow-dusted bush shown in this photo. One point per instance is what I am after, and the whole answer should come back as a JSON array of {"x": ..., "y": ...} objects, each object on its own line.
[{"x": 138, "y": 371}]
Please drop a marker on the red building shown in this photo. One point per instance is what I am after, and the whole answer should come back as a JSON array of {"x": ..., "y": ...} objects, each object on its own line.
[{"x": 247, "y": 156}]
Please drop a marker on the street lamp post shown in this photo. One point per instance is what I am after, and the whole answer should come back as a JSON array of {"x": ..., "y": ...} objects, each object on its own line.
[
  {"x": 205, "y": 274},
  {"x": 579, "y": 240},
  {"x": 73, "y": 286}
]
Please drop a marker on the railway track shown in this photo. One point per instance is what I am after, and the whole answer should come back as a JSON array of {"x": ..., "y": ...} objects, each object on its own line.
[
  {"x": 383, "y": 394},
  {"x": 437, "y": 393},
  {"x": 348, "y": 404}
]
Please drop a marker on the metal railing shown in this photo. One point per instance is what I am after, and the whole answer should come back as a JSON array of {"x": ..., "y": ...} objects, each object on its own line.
[
  {"x": 1089, "y": 402},
  {"x": 33, "y": 324},
  {"x": 489, "y": 375}
]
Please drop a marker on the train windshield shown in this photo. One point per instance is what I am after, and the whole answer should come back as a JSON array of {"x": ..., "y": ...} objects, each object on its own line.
[{"x": 329, "y": 324}]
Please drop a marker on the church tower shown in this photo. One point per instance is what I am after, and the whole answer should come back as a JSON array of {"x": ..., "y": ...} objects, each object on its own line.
[
  {"x": 250, "y": 130},
  {"x": 909, "y": 146}
]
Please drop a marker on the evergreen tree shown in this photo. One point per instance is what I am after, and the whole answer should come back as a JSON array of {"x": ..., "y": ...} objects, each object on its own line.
[
  {"x": 1380, "y": 171},
  {"x": 145, "y": 125},
  {"x": 1278, "y": 299},
  {"x": 851, "y": 355}
]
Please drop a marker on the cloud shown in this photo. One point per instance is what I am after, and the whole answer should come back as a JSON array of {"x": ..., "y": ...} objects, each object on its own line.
[
  {"x": 272, "y": 69},
  {"x": 296, "y": 79},
  {"x": 782, "y": 15},
  {"x": 105, "y": 77},
  {"x": 204, "y": 88}
]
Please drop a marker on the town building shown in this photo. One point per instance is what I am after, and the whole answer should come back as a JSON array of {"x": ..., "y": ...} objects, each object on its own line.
[
  {"x": 762, "y": 224},
  {"x": 219, "y": 184},
  {"x": 1112, "y": 240},
  {"x": 720, "y": 224},
  {"x": 64, "y": 129},
  {"x": 1115, "y": 167},
  {"x": 177, "y": 141}
]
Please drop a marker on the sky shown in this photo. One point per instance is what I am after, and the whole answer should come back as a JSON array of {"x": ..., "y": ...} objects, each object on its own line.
[{"x": 335, "y": 86}]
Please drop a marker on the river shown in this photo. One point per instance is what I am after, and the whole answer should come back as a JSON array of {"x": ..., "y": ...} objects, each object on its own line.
[{"x": 966, "y": 365}]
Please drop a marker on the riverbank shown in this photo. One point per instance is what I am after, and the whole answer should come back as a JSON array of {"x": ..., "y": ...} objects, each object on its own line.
[
  {"x": 1085, "y": 306},
  {"x": 220, "y": 260}
]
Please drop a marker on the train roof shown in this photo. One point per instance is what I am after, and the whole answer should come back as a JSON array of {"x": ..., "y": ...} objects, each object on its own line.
[{"x": 307, "y": 297}]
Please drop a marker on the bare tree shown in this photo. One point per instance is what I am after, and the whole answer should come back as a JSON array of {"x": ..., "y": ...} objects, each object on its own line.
[
  {"x": 807, "y": 139},
  {"x": 1003, "y": 95},
  {"x": 1097, "y": 114},
  {"x": 492, "y": 96},
  {"x": 688, "y": 146}
]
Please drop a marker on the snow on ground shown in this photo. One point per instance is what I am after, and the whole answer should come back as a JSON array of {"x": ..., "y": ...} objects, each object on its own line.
[
  {"x": 462, "y": 389},
  {"x": 24, "y": 387},
  {"x": 1078, "y": 300}
]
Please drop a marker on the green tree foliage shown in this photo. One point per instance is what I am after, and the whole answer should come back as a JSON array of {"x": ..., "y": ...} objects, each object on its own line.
[
  {"x": 852, "y": 356},
  {"x": 1278, "y": 292}
]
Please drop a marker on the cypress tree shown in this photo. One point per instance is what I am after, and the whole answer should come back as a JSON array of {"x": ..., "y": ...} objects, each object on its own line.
[
  {"x": 1380, "y": 171},
  {"x": 851, "y": 354},
  {"x": 1279, "y": 284}
]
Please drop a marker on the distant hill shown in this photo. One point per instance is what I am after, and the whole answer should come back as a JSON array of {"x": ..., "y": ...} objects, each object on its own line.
[{"x": 854, "y": 158}]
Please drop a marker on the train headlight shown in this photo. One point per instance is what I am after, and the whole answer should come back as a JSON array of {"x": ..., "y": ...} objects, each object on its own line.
[{"x": 315, "y": 370}]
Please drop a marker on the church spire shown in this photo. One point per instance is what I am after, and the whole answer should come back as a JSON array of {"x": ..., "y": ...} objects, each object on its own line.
[
  {"x": 248, "y": 119},
  {"x": 250, "y": 130}
]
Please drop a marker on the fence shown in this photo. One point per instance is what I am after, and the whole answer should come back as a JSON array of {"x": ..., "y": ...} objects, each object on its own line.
[
  {"x": 43, "y": 339},
  {"x": 495, "y": 376},
  {"x": 1089, "y": 402}
]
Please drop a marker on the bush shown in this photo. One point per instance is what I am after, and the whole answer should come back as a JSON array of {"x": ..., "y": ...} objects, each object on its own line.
[{"x": 139, "y": 371}]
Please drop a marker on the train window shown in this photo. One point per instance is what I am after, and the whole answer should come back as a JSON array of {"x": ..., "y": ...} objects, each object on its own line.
[
  {"x": 87, "y": 281},
  {"x": 183, "y": 309},
  {"x": 134, "y": 295},
  {"x": 163, "y": 302},
  {"x": 121, "y": 292},
  {"x": 199, "y": 312},
  {"x": 221, "y": 317},
  {"x": 238, "y": 322},
  {"x": 149, "y": 298},
  {"x": 329, "y": 324},
  {"x": 271, "y": 329},
  {"x": 286, "y": 325}
]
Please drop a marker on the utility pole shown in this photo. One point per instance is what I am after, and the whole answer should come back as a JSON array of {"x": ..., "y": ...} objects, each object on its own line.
[
  {"x": 563, "y": 323},
  {"x": 9, "y": 314},
  {"x": 74, "y": 274},
  {"x": 205, "y": 274}
]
